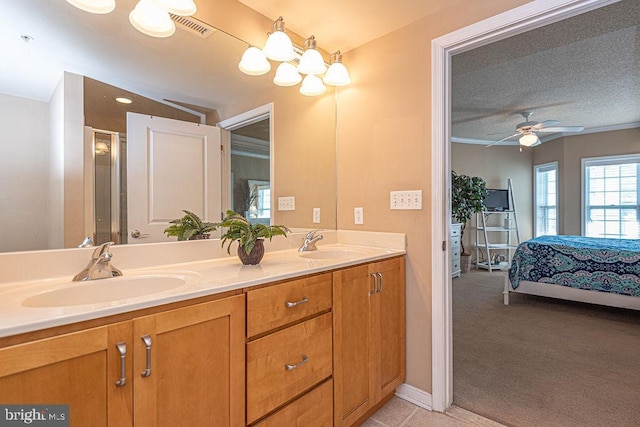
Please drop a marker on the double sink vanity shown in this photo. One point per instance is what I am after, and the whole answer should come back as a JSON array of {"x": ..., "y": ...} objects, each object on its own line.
[{"x": 304, "y": 338}]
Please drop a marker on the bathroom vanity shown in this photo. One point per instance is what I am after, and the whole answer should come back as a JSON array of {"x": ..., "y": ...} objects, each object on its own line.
[{"x": 302, "y": 339}]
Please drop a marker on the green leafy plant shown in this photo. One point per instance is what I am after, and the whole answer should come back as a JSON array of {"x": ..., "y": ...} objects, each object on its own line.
[
  {"x": 467, "y": 197},
  {"x": 246, "y": 233},
  {"x": 188, "y": 226}
]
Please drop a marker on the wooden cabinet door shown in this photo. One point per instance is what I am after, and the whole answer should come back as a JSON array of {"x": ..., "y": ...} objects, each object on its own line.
[
  {"x": 389, "y": 326},
  {"x": 196, "y": 366},
  {"x": 353, "y": 347},
  {"x": 78, "y": 369}
]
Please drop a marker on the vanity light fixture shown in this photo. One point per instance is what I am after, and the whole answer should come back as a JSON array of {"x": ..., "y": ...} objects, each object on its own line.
[
  {"x": 287, "y": 75},
  {"x": 253, "y": 62},
  {"x": 528, "y": 139},
  {"x": 311, "y": 61},
  {"x": 337, "y": 74},
  {"x": 177, "y": 7},
  {"x": 101, "y": 148},
  {"x": 278, "y": 46},
  {"x": 151, "y": 20},
  {"x": 123, "y": 100},
  {"x": 312, "y": 86},
  {"x": 94, "y": 6}
]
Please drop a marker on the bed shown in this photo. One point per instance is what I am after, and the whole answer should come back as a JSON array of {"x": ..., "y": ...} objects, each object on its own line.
[{"x": 592, "y": 270}]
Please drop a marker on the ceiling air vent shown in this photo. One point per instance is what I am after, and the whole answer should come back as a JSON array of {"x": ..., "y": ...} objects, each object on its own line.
[{"x": 193, "y": 25}]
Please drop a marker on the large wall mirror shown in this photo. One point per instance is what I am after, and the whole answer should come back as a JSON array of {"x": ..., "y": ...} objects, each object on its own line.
[{"x": 62, "y": 70}]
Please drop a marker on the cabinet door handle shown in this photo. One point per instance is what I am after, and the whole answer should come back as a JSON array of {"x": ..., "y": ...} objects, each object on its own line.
[
  {"x": 375, "y": 283},
  {"x": 290, "y": 367},
  {"x": 122, "y": 349},
  {"x": 380, "y": 282},
  {"x": 289, "y": 304},
  {"x": 147, "y": 343}
]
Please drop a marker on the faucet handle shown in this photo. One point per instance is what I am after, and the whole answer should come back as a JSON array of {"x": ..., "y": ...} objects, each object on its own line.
[
  {"x": 311, "y": 234},
  {"x": 103, "y": 249}
]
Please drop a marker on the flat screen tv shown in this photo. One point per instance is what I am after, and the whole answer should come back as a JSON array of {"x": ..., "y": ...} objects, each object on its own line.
[{"x": 496, "y": 200}]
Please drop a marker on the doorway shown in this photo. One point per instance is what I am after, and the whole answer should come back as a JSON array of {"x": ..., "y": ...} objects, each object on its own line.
[{"x": 516, "y": 21}]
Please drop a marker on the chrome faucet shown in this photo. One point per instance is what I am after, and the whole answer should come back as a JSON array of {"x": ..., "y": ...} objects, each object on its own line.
[
  {"x": 100, "y": 265},
  {"x": 309, "y": 241}
]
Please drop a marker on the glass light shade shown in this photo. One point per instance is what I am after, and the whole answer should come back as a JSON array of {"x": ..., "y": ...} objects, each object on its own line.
[
  {"x": 94, "y": 6},
  {"x": 149, "y": 19},
  {"x": 123, "y": 100},
  {"x": 177, "y": 7},
  {"x": 312, "y": 86},
  {"x": 287, "y": 75},
  {"x": 337, "y": 75},
  {"x": 279, "y": 47},
  {"x": 253, "y": 62},
  {"x": 101, "y": 148},
  {"x": 311, "y": 62},
  {"x": 528, "y": 140}
]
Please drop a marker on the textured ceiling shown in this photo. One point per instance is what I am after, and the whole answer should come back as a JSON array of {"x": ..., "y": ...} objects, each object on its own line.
[{"x": 583, "y": 71}]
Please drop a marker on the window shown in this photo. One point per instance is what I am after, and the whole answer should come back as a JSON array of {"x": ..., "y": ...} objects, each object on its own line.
[
  {"x": 611, "y": 186},
  {"x": 546, "y": 199},
  {"x": 260, "y": 209}
]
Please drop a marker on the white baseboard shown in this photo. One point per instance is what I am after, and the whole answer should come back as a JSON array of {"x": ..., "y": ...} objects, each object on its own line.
[{"x": 415, "y": 396}]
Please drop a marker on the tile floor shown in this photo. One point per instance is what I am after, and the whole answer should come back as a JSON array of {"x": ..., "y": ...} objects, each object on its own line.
[{"x": 400, "y": 413}]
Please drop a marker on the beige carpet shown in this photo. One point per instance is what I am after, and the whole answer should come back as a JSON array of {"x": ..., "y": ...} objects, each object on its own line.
[{"x": 543, "y": 362}]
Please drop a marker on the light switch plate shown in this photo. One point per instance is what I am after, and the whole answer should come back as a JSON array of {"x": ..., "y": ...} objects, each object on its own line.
[
  {"x": 316, "y": 215},
  {"x": 406, "y": 200},
  {"x": 287, "y": 203},
  {"x": 358, "y": 215}
]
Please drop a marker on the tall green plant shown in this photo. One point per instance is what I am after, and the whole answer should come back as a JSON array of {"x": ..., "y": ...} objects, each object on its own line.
[
  {"x": 467, "y": 196},
  {"x": 240, "y": 229}
]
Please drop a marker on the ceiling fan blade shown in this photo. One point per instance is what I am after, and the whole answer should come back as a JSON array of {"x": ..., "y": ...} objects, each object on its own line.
[
  {"x": 503, "y": 139},
  {"x": 547, "y": 123},
  {"x": 562, "y": 129}
]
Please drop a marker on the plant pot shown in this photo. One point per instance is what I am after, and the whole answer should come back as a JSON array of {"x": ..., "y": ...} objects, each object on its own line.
[
  {"x": 200, "y": 237},
  {"x": 255, "y": 256},
  {"x": 465, "y": 263}
]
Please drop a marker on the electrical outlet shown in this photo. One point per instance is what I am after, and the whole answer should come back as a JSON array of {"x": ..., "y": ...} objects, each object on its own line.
[
  {"x": 406, "y": 200},
  {"x": 358, "y": 215},
  {"x": 316, "y": 215},
  {"x": 287, "y": 203}
]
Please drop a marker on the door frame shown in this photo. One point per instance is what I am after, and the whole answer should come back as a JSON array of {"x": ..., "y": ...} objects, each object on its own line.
[{"x": 523, "y": 18}]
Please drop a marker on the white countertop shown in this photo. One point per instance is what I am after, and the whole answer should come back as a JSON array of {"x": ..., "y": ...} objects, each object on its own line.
[{"x": 202, "y": 278}]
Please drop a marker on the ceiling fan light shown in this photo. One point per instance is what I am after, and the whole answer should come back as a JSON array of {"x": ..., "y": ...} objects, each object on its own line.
[
  {"x": 311, "y": 61},
  {"x": 151, "y": 20},
  {"x": 337, "y": 74},
  {"x": 528, "y": 139},
  {"x": 278, "y": 46},
  {"x": 253, "y": 62},
  {"x": 287, "y": 75},
  {"x": 312, "y": 85},
  {"x": 177, "y": 7},
  {"x": 94, "y": 6}
]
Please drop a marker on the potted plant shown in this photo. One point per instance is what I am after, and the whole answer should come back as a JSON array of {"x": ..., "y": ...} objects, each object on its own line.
[
  {"x": 250, "y": 236},
  {"x": 190, "y": 227},
  {"x": 467, "y": 195}
]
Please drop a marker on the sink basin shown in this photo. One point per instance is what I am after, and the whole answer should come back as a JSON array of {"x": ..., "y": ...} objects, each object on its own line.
[
  {"x": 330, "y": 254},
  {"x": 104, "y": 290}
]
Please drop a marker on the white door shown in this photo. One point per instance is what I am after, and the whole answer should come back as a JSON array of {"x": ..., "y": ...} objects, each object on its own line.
[{"x": 171, "y": 166}]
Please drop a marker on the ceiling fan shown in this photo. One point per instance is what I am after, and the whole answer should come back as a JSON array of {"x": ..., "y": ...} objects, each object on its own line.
[{"x": 528, "y": 130}]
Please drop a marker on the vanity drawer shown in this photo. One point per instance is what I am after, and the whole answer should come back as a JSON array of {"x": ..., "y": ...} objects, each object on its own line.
[
  {"x": 314, "y": 409},
  {"x": 278, "y": 305},
  {"x": 282, "y": 365}
]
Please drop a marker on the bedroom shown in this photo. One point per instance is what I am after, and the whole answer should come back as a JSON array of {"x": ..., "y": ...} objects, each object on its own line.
[{"x": 580, "y": 72}]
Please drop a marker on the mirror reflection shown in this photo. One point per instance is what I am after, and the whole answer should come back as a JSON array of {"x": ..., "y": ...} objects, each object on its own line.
[{"x": 43, "y": 152}]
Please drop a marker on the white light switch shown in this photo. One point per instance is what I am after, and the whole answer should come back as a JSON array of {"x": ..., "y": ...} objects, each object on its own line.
[
  {"x": 358, "y": 215},
  {"x": 287, "y": 203},
  {"x": 406, "y": 200},
  {"x": 316, "y": 215}
]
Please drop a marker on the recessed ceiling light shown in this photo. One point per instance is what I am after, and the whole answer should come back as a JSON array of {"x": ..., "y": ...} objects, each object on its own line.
[{"x": 124, "y": 100}]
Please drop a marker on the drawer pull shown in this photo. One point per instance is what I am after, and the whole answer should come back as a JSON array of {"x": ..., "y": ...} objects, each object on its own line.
[
  {"x": 381, "y": 282},
  {"x": 147, "y": 343},
  {"x": 375, "y": 283},
  {"x": 289, "y": 367},
  {"x": 289, "y": 304},
  {"x": 122, "y": 349}
]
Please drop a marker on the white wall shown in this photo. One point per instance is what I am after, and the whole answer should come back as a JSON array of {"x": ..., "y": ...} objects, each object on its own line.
[
  {"x": 24, "y": 157},
  {"x": 55, "y": 223}
]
